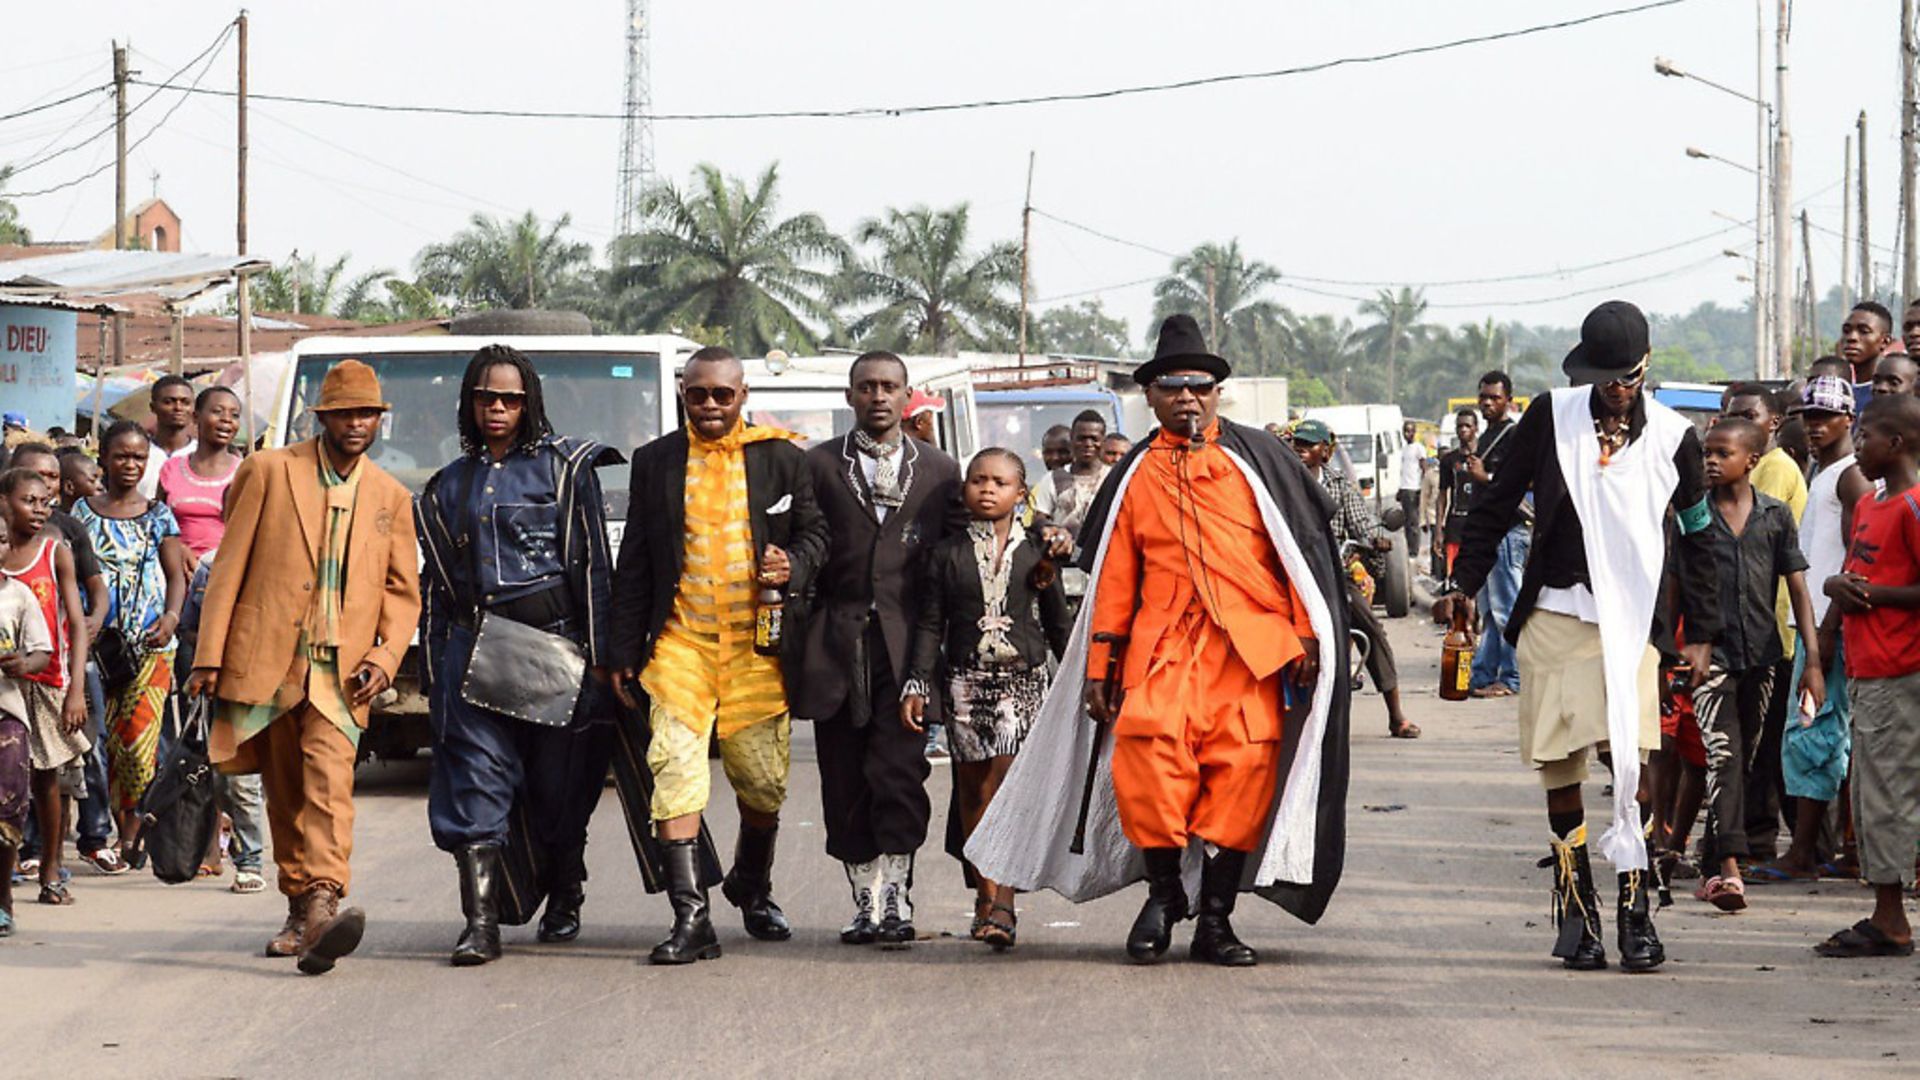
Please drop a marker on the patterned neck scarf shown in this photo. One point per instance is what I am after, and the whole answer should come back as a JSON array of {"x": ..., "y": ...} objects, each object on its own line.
[
  {"x": 886, "y": 466},
  {"x": 995, "y": 574},
  {"x": 323, "y": 618}
]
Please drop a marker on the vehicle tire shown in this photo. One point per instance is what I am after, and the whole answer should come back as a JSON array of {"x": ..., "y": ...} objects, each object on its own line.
[
  {"x": 501, "y": 322},
  {"x": 1396, "y": 588}
]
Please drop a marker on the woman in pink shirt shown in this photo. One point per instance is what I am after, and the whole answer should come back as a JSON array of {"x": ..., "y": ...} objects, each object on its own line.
[{"x": 194, "y": 485}]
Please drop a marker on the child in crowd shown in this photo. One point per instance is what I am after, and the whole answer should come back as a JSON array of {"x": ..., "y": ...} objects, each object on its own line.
[
  {"x": 79, "y": 477},
  {"x": 1456, "y": 484},
  {"x": 992, "y": 600},
  {"x": 26, "y": 648},
  {"x": 1813, "y": 753},
  {"x": 1775, "y": 475},
  {"x": 1878, "y": 594},
  {"x": 1678, "y": 770},
  {"x": 1756, "y": 546},
  {"x": 56, "y": 697}
]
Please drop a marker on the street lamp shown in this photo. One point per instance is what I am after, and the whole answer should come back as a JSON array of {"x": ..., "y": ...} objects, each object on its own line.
[{"x": 1696, "y": 152}]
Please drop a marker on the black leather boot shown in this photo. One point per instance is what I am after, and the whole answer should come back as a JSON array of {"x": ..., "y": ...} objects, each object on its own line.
[
  {"x": 1166, "y": 905},
  {"x": 1576, "y": 906},
  {"x": 1640, "y": 948},
  {"x": 1213, "y": 937},
  {"x": 692, "y": 937},
  {"x": 749, "y": 885},
  {"x": 560, "y": 919},
  {"x": 480, "y": 903}
]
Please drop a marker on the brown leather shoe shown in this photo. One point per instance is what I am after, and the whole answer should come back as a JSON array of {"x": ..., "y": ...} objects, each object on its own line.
[
  {"x": 287, "y": 941},
  {"x": 330, "y": 933}
]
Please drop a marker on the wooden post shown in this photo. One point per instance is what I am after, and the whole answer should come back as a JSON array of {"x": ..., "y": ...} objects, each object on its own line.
[
  {"x": 1026, "y": 243},
  {"x": 1813, "y": 298},
  {"x": 99, "y": 378},
  {"x": 119, "y": 186},
  {"x": 1867, "y": 287},
  {"x": 1846, "y": 224},
  {"x": 1782, "y": 201},
  {"x": 245, "y": 299},
  {"x": 176, "y": 363},
  {"x": 1909, "y": 159}
]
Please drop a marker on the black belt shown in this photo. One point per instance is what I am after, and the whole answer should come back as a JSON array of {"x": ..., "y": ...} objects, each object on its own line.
[{"x": 546, "y": 609}]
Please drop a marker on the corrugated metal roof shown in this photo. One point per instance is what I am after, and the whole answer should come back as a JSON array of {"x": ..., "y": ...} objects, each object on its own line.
[
  {"x": 57, "y": 304},
  {"x": 171, "y": 275}
]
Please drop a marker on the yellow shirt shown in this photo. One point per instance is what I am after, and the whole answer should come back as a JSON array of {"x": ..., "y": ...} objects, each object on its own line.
[
  {"x": 704, "y": 670},
  {"x": 1778, "y": 476}
]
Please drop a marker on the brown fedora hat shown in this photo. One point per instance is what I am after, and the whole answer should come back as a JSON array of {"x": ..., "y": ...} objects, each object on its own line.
[{"x": 350, "y": 384}]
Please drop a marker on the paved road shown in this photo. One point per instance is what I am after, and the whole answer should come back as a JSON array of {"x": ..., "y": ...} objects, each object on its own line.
[{"x": 1432, "y": 962}]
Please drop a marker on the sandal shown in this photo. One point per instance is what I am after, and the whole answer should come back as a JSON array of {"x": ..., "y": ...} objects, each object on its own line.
[
  {"x": 248, "y": 881},
  {"x": 207, "y": 871},
  {"x": 56, "y": 894},
  {"x": 1497, "y": 690},
  {"x": 1729, "y": 894},
  {"x": 1774, "y": 873},
  {"x": 999, "y": 934},
  {"x": 979, "y": 925},
  {"x": 1860, "y": 940},
  {"x": 1408, "y": 730},
  {"x": 6, "y": 923}
]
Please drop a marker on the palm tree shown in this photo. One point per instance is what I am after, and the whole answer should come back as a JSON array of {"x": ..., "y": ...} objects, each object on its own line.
[
  {"x": 1395, "y": 330},
  {"x": 11, "y": 231},
  {"x": 1220, "y": 287},
  {"x": 716, "y": 256},
  {"x": 934, "y": 295},
  {"x": 497, "y": 263},
  {"x": 1325, "y": 348}
]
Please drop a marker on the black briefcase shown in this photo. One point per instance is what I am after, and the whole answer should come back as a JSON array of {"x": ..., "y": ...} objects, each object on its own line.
[
  {"x": 524, "y": 865},
  {"x": 634, "y": 781}
]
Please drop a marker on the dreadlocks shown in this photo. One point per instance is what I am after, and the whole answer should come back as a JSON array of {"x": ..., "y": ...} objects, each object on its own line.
[{"x": 533, "y": 419}]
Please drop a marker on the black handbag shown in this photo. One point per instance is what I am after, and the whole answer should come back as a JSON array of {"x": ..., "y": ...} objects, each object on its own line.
[
  {"x": 180, "y": 812},
  {"x": 524, "y": 672},
  {"x": 114, "y": 656}
]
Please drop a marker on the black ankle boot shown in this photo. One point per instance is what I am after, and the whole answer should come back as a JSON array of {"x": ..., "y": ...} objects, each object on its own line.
[
  {"x": 480, "y": 903},
  {"x": 560, "y": 919},
  {"x": 692, "y": 937},
  {"x": 749, "y": 885},
  {"x": 1640, "y": 948},
  {"x": 1213, "y": 937},
  {"x": 1166, "y": 905},
  {"x": 1576, "y": 907}
]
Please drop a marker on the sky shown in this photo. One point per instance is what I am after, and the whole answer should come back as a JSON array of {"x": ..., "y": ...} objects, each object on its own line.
[{"x": 1519, "y": 157}]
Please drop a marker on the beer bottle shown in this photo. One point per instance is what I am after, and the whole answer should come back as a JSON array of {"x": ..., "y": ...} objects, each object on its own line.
[
  {"x": 769, "y": 620},
  {"x": 1456, "y": 658}
]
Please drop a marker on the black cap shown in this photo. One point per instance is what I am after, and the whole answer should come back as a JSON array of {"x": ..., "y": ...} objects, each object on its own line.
[
  {"x": 1180, "y": 348},
  {"x": 1613, "y": 342}
]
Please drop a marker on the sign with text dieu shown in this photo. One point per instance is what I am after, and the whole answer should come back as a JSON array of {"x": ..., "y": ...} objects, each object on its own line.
[{"x": 36, "y": 364}]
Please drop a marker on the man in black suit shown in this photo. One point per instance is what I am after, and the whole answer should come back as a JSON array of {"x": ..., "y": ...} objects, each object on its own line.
[
  {"x": 887, "y": 501},
  {"x": 719, "y": 511}
]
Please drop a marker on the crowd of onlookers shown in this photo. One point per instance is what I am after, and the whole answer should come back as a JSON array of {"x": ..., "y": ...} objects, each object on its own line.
[{"x": 100, "y": 559}]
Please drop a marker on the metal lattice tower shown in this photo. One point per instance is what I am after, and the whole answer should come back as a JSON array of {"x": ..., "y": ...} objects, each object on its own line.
[{"x": 636, "y": 130}]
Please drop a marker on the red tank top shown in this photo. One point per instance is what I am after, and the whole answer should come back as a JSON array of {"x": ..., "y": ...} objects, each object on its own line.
[{"x": 39, "y": 576}]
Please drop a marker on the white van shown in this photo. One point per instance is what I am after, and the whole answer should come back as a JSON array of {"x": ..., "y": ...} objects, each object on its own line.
[{"x": 1370, "y": 438}]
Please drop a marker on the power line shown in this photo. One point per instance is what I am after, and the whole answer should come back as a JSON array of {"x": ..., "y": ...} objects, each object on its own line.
[
  {"x": 55, "y": 104},
  {"x": 890, "y": 111},
  {"x": 211, "y": 54}
]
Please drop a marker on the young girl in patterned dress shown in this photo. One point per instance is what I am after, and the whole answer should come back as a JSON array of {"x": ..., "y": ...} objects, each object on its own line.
[
  {"x": 56, "y": 697},
  {"x": 138, "y": 544},
  {"x": 992, "y": 608}
]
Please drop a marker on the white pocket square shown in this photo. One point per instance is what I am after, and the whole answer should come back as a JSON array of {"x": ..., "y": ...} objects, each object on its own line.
[{"x": 785, "y": 504}]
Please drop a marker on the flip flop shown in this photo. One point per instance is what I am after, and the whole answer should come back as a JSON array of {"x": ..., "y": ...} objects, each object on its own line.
[
  {"x": 1408, "y": 730},
  {"x": 1772, "y": 874},
  {"x": 56, "y": 894},
  {"x": 1862, "y": 939},
  {"x": 1726, "y": 893}
]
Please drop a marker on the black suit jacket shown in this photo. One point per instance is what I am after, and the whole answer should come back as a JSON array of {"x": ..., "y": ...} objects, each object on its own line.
[
  {"x": 781, "y": 511},
  {"x": 870, "y": 565},
  {"x": 952, "y": 602}
]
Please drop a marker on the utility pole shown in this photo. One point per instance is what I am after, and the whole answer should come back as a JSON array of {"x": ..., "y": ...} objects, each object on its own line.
[
  {"x": 1866, "y": 249},
  {"x": 1782, "y": 201},
  {"x": 119, "y": 188},
  {"x": 1909, "y": 157},
  {"x": 1846, "y": 224},
  {"x": 1213, "y": 311},
  {"x": 1812, "y": 308},
  {"x": 245, "y": 295},
  {"x": 1026, "y": 244},
  {"x": 1762, "y": 173}
]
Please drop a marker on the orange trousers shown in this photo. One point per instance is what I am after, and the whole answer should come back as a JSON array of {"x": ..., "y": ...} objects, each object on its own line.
[
  {"x": 1196, "y": 747},
  {"x": 306, "y": 773}
]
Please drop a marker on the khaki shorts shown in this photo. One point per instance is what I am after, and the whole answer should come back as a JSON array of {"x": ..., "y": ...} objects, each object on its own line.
[
  {"x": 1563, "y": 697},
  {"x": 1886, "y": 784},
  {"x": 756, "y": 760}
]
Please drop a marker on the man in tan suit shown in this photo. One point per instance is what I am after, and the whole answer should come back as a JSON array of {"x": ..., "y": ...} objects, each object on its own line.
[{"x": 314, "y": 595}]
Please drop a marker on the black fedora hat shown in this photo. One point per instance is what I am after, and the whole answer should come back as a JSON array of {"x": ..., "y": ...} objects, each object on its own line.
[
  {"x": 1613, "y": 342},
  {"x": 1180, "y": 348}
]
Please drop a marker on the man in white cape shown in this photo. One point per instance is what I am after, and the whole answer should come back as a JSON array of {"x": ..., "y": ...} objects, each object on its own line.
[{"x": 1607, "y": 466}]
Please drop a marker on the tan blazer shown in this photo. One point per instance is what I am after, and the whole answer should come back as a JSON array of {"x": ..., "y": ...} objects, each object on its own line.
[{"x": 263, "y": 577}]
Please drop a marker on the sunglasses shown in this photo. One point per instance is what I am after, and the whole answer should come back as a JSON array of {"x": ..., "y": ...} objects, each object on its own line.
[
  {"x": 720, "y": 395},
  {"x": 512, "y": 399},
  {"x": 1631, "y": 379},
  {"x": 1173, "y": 384}
]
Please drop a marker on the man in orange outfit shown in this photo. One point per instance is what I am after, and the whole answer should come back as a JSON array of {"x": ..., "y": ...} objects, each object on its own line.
[{"x": 1192, "y": 583}]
